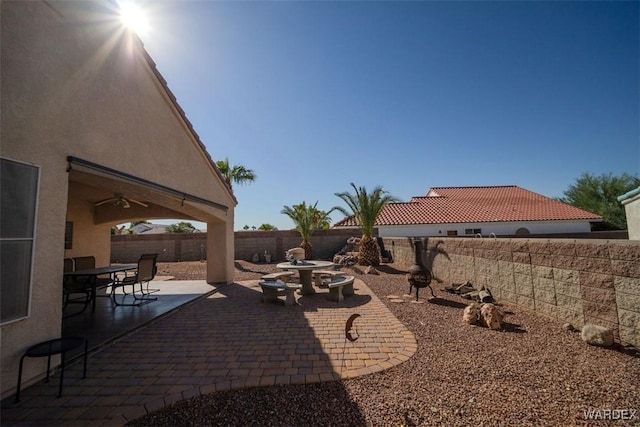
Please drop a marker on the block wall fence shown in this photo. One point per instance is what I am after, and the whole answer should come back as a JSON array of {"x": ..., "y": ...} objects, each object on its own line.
[
  {"x": 571, "y": 280},
  {"x": 175, "y": 247}
]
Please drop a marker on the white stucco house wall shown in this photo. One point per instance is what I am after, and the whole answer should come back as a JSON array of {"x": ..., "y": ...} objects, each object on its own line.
[
  {"x": 81, "y": 99},
  {"x": 631, "y": 202},
  {"x": 473, "y": 211}
]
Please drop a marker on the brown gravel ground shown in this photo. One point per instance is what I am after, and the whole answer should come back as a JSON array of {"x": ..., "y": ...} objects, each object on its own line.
[{"x": 531, "y": 373}]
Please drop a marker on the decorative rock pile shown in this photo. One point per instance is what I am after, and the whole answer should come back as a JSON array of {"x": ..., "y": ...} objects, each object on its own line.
[
  {"x": 486, "y": 314},
  {"x": 348, "y": 255},
  {"x": 345, "y": 259}
]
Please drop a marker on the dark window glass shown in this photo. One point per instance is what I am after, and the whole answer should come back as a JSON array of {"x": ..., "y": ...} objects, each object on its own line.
[{"x": 18, "y": 202}]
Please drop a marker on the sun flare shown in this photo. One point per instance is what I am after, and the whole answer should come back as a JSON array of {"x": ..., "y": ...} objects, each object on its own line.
[{"x": 134, "y": 17}]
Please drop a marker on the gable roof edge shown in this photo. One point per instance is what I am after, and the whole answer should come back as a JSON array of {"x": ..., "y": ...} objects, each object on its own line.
[{"x": 172, "y": 98}]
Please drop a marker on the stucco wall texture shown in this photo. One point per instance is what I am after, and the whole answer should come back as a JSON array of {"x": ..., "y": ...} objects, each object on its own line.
[
  {"x": 632, "y": 210},
  {"x": 74, "y": 83},
  {"x": 574, "y": 281}
]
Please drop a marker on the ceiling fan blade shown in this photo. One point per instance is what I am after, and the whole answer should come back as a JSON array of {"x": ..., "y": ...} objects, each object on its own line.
[
  {"x": 144, "y": 205},
  {"x": 105, "y": 201},
  {"x": 120, "y": 200}
]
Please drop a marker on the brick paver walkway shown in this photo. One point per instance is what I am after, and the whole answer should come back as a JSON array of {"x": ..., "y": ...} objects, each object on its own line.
[{"x": 228, "y": 340}]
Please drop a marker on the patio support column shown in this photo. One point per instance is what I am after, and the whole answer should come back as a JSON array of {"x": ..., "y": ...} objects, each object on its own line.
[{"x": 220, "y": 252}]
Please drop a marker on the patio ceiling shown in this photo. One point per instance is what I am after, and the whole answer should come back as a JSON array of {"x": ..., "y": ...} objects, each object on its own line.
[{"x": 92, "y": 185}]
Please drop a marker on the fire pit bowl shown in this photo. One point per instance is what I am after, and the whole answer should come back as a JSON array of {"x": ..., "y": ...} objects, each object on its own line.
[{"x": 419, "y": 276}]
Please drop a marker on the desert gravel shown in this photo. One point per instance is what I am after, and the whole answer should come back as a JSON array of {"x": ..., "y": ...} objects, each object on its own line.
[{"x": 532, "y": 373}]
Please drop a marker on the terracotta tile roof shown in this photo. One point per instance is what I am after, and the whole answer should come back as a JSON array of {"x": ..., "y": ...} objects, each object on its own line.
[{"x": 449, "y": 205}]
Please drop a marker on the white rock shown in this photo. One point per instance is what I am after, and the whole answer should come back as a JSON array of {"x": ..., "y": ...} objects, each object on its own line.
[
  {"x": 491, "y": 316},
  {"x": 597, "y": 335},
  {"x": 371, "y": 270},
  {"x": 470, "y": 314}
]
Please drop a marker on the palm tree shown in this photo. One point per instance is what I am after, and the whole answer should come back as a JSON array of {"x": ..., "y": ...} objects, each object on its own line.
[
  {"x": 365, "y": 208},
  {"x": 235, "y": 174},
  {"x": 306, "y": 218}
]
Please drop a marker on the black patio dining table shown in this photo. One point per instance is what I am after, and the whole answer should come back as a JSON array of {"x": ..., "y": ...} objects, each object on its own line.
[{"x": 92, "y": 275}]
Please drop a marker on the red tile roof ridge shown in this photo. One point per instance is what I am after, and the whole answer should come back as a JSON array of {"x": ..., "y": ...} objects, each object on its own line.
[
  {"x": 476, "y": 186},
  {"x": 505, "y": 203}
]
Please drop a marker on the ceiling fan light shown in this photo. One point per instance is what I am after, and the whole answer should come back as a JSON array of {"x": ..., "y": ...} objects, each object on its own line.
[{"x": 122, "y": 202}]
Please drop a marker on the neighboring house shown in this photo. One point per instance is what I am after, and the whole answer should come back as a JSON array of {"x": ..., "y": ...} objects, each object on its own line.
[
  {"x": 631, "y": 202},
  {"x": 148, "y": 228},
  {"x": 471, "y": 211},
  {"x": 91, "y": 137}
]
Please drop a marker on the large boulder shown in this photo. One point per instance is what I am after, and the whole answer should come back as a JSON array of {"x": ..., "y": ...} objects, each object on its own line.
[
  {"x": 490, "y": 316},
  {"x": 470, "y": 314},
  {"x": 597, "y": 335}
]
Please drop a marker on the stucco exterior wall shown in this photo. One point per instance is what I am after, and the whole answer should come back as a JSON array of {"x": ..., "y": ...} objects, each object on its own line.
[
  {"x": 88, "y": 238},
  {"x": 74, "y": 83},
  {"x": 499, "y": 228},
  {"x": 575, "y": 281},
  {"x": 632, "y": 211}
]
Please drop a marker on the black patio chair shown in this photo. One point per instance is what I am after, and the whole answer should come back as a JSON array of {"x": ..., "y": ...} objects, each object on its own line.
[
  {"x": 72, "y": 287},
  {"x": 88, "y": 263},
  {"x": 138, "y": 283}
]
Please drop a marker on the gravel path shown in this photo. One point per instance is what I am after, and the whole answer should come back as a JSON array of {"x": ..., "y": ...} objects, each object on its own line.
[{"x": 532, "y": 373}]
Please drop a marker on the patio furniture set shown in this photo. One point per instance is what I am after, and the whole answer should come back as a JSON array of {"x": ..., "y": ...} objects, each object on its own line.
[
  {"x": 82, "y": 280},
  {"x": 310, "y": 272}
]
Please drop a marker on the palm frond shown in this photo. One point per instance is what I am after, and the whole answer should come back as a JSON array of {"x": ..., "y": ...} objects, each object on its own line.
[
  {"x": 365, "y": 207},
  {"x": 235, "y": 174}
]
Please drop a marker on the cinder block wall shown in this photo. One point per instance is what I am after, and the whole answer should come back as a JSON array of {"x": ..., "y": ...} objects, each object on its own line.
[
  {"x": 170, "y": 247},
  {"x": 325, "y": 243},
  {"x": 575, "y": 281},
  {"x": 173, "y": 247}
]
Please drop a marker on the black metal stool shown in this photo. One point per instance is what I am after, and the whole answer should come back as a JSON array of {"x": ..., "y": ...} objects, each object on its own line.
[{"x": 49, "y": 348}]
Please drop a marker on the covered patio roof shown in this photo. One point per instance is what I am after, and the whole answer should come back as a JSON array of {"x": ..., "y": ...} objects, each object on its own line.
[{"x": 92, "y": 183}]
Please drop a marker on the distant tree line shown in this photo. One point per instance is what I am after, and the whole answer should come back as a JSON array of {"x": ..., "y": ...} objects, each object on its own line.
[{"x": 598, "y": 194}]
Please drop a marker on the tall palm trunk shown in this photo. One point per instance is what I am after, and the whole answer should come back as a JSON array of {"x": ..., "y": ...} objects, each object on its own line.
[
  {"x": 369, "y": 252},
  {"x": 308, "y": 254}
]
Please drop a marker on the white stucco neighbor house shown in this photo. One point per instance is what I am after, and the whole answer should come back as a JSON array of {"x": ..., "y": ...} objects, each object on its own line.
[
  {"x": 91, "y": 137},
  {"x": 472, "y": 211},
  {"x": 631, "y": 202}
]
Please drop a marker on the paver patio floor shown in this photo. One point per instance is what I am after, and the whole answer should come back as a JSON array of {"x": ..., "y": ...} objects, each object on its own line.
[{"x": 227, "y": 340}]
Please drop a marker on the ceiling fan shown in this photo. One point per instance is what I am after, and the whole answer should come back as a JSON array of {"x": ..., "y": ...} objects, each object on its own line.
[{"x": 120, "y": 201}]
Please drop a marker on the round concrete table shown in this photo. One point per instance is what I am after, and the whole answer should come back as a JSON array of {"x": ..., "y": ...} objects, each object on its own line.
[{"x": 304, "y": 269}]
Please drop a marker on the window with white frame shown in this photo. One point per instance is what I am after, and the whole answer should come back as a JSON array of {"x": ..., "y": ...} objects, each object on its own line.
[
  {"x": 473, "y": 231},
  {"x": 19, "y": 183}
]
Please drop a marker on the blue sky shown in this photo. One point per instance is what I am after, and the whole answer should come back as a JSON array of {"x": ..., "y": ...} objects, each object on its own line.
[{"x": 406, "y": 95}]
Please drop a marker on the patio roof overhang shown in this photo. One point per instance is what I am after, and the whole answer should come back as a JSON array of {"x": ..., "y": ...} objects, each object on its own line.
[{"x": 93, "y": 182}]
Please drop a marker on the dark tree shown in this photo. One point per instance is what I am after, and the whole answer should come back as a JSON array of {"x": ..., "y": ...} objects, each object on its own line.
[{"x": 599, "y": 195}]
